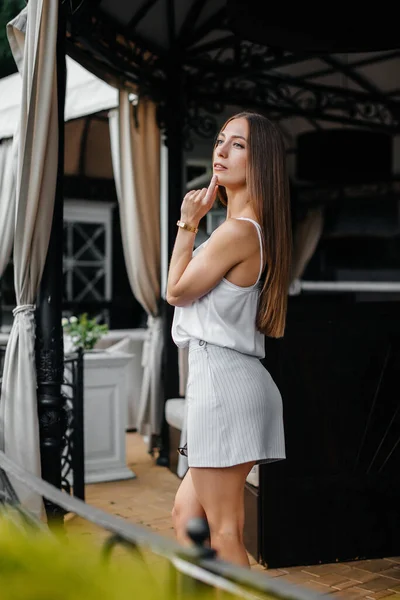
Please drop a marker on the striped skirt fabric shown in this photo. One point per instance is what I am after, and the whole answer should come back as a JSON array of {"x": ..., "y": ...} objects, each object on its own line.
[{"x": 234, "y": 409}]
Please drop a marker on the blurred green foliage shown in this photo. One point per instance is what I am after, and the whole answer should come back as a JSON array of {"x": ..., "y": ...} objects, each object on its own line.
[
  {"x": 40, "y": 565},
  {"x": 36, "y": 565}
]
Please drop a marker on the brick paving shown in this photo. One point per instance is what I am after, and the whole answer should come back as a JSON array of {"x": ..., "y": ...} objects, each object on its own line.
[{"x": 148, "y": 499}]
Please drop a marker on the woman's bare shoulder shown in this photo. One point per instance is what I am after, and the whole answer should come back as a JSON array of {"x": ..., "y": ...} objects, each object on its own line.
[{"x": 236, "y": 230}]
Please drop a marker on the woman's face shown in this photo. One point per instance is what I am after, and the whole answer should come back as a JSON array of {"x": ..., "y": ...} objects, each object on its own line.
[{"x": 230, "y": 154}]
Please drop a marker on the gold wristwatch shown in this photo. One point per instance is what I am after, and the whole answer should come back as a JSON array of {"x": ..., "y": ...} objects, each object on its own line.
[{"x": 184, "y": 225}]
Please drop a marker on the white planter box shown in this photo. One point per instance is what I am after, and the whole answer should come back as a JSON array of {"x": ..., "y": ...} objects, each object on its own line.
[
  {"x": 112, "y": 383},
  {"x": 130, "y": 341},
  {"x": 105, "y": 410}
]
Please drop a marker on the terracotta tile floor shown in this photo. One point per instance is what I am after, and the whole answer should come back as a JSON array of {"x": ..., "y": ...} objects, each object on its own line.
[{"x": 147, "y": 500}]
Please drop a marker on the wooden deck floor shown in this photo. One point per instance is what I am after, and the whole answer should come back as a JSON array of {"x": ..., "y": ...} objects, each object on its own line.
[{"x": 147, "y": 500}]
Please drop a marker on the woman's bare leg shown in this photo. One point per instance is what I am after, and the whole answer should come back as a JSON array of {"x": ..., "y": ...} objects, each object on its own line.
[
  {"x": 186, "y": 507},
  {"x": 220, "y": 492}
]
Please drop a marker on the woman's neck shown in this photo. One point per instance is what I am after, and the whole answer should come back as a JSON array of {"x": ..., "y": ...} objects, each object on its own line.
[{"x": 239, "y": 205}]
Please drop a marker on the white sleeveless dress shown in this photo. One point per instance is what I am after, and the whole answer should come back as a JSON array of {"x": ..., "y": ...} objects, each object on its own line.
[{"x": 234, "y": 410}]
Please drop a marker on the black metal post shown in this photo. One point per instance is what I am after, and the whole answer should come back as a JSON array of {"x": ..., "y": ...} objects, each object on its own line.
[
  {"x": 49, "y": 338},
  {"x": 174, "y": 112}
]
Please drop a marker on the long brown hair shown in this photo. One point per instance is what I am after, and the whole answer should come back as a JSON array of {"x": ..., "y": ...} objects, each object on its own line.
[{"x": 268, "y": 186}]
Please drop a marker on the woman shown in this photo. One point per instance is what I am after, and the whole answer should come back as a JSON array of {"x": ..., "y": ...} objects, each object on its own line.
[{"x": 228, "y": 294}]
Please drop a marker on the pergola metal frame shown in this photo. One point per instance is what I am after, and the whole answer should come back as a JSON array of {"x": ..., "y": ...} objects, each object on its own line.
[{"x": 226, "y": 70}]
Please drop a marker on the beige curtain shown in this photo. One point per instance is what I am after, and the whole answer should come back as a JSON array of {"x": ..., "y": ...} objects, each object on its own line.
[
  {"x": 32, "y": 36},
  {"x": 136, "y": 163},
  {"x": 307, "y": 235},
  {"x": 7, "y": 200}
]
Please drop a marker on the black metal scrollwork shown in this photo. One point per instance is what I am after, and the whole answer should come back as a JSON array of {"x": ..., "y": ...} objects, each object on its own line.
[
  {"x": 236, "y": 72},
  {"x": 72, "y": 457},
  {"x": 202, "y": 123},
  {"x": 227, "y": 71}
]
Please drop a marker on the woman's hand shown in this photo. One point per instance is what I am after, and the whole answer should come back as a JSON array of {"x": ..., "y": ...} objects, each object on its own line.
[{"x": 197, "y": 203}]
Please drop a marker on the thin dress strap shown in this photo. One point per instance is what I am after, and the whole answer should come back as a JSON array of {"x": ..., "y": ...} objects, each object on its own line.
[{"x": 258, "y": 228}]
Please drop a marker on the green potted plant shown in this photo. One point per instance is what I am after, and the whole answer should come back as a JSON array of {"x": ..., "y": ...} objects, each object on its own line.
[{"x": 84, "y": 332}]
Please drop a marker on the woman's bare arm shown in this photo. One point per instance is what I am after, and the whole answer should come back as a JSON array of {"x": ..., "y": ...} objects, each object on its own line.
[{"x": 191, "y": 278}]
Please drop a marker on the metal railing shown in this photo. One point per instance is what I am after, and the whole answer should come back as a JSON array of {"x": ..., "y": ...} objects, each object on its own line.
[{"x": 192, "y": 569}]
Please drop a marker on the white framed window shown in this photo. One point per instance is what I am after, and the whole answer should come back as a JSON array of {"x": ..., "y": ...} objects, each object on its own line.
[{"x": 87, "y": 257}]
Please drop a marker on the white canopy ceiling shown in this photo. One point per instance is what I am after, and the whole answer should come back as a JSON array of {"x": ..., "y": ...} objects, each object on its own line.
[{"x": 86, "y": 95}]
